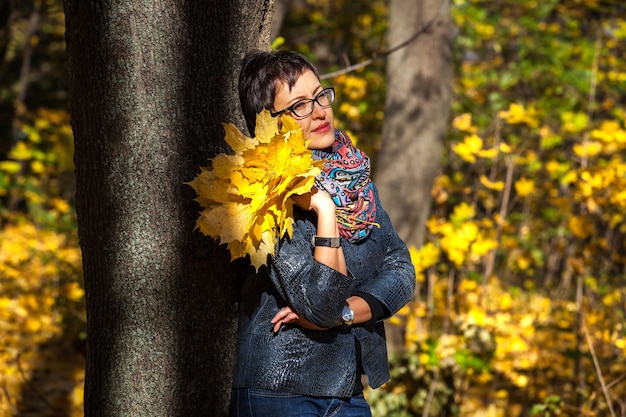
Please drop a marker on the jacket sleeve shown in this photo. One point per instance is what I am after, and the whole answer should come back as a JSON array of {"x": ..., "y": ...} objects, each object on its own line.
[
  {"x": 314, "y": 290},
  {"x": 394, "y": 282}
]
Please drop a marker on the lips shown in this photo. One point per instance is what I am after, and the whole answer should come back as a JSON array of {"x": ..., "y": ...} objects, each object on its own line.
[{"x": 324, "y": 127}]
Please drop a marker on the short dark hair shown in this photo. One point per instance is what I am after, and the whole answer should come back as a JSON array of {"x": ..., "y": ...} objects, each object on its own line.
[{"x": 260, "y": 74}]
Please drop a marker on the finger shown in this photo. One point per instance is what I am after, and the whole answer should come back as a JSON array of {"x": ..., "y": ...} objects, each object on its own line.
[
  {"x": 282, "y": 313},
  {"x": 291, "y": 317},
  {"x": 279, "y": 316},
  {"x": 277, "y": 326}
]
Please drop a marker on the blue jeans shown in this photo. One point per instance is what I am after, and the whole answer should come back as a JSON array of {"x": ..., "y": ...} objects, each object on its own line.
[{"x": 254, "y": 402}]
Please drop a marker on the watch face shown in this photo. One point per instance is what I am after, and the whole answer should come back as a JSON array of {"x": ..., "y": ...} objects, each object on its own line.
[{"x": 347, "y": 315}]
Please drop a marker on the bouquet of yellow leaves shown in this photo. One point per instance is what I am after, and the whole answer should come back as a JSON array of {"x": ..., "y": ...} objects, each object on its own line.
[{"x": 245, "y": 196}]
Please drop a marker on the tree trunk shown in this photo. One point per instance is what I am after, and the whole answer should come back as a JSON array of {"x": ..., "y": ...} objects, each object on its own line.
[
  {"x": 419, "y": 78},
  {"x": 150, "y": 85},
  {"x": 281, "y": 7}
]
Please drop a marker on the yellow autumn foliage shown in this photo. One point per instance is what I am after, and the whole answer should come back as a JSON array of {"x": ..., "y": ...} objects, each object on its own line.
[
  {"x": 499, "y": 329},
  {"x": 469, "y": 148},
  {"x": 39, "y": 270},
  {"x": 524, "y": 187},
  {"x": 463, "y": 122},
  {"x": 246, "y": 196},
  {"x": 518, "y": 113},
  {"x": 499, "y": 306},
  {"x": 492, "y": 185}
]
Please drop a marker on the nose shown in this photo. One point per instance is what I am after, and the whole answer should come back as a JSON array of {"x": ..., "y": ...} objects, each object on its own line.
[{"x": 318, "y": 111}]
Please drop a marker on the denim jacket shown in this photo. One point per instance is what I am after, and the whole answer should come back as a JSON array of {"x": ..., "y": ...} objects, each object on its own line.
[{"x": 311, "y": 362}]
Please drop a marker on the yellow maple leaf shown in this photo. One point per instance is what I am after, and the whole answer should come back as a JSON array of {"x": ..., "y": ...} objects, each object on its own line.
[
  {"x": 21, "y": 152},
  {"x": 246, "y": 196},
  {"x": 462, "y": 212},
  {"x": 483, "y": 245},
  {"x": 237, "y": 140},
  {"x": 468, "y": 149},
  {"x": 504, "y": 148},
  {"x": 524, "y": 186},
  {"x": 588, "y": 149},
  {"x": 517, "y": 113},
  {"x": 492, "y": 185},
  {"x": 463, "y": 122},
  {"x": 488, "y": 153}
]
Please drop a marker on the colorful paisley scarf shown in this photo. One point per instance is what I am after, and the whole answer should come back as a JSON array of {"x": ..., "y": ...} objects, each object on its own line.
[{"x": 346, "y": 177}]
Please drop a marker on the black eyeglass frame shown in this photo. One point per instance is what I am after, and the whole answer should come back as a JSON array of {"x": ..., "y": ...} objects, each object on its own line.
[{"x": 309, "y": 100}]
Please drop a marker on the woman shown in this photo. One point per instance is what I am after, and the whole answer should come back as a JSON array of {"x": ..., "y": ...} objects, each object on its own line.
[{"x": 311, "y": 323}]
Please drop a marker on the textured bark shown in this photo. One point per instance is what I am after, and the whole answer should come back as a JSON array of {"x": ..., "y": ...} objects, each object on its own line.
[
  {"x": 150, "y": 85},
  {"x": 416, "y": 116}
]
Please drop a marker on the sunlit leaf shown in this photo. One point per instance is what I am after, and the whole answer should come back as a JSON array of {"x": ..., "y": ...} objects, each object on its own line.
[
  {"x": 574, "y": 122},
  {"x": 588, "y": 149},
  {"x": 463, "y": 122},
  {"x": 492, "y": 185},
  {"x": 246, "y": 196},
  {"x": 21, "y": 152},
  {"x": 468, "y": 149},
  {"x": 524, "y": 187},
  {"x": 11, "y": 167}
]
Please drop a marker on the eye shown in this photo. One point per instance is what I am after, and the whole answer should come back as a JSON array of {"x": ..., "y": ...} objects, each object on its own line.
[
  {"x": 301, "y": 106},
  {"x": 324, "y": 97}
]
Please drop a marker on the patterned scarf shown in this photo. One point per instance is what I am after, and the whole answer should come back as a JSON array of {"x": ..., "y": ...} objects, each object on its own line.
[{"x": 346, "y": 177}]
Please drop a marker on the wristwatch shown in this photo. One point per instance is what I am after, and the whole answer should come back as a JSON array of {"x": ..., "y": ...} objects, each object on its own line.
[
  {"x": 347, "y": 315},
  {"x": 329, "y": 242}
]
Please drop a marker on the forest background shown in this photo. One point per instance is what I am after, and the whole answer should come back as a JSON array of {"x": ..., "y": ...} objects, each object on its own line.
[{"x": 521, "y": 300}]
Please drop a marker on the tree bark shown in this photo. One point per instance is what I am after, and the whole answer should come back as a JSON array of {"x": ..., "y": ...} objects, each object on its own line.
[
  {"x": 419, "y": 78},
  {"x": 150, "y": 85}
]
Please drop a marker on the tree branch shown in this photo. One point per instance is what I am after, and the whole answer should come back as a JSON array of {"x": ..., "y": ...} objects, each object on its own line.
[{"x": 384, "y": 54}]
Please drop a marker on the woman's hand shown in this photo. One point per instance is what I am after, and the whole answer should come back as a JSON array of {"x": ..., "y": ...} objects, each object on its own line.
[
  {"x": 323, "y": 205},
  {"x": 317, "y": 201},
  {"x": 288, "y": 315},
  {"x": 362, "y": 314}
]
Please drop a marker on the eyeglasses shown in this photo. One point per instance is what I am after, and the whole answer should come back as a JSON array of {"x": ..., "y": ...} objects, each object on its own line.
[{"x": 304, "y": 108}]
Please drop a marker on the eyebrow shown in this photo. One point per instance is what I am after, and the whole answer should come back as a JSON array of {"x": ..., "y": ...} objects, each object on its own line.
[{"x": 296, "y": 99}]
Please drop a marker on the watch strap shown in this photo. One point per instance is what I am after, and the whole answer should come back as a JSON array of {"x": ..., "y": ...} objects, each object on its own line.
[{"x": 329, "y": 242}]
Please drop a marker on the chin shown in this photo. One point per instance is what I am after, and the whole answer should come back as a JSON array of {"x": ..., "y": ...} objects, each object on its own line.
[{"x": 323, "y": 142}]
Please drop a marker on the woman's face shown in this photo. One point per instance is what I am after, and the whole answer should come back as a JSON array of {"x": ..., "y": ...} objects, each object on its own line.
[{"x": 319, "y": 126}]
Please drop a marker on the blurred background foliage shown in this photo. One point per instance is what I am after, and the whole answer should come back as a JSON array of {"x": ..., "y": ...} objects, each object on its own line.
[
  {"x": 42, "y": 319},
  {"x": 521, "y": 304}
]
